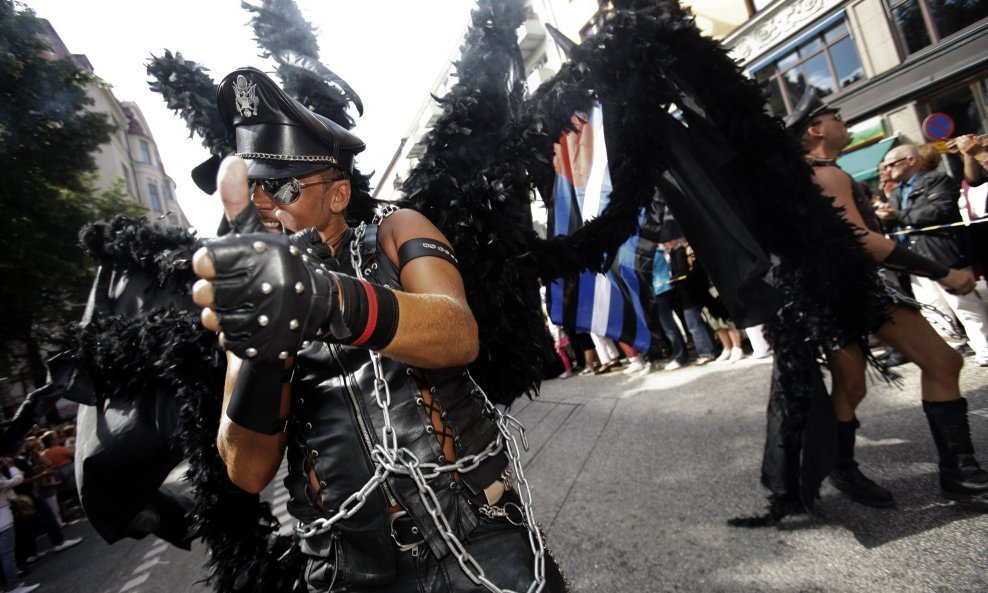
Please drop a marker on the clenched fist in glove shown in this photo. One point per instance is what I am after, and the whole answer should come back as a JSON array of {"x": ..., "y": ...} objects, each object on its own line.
[{"x": 270, "y": 298}]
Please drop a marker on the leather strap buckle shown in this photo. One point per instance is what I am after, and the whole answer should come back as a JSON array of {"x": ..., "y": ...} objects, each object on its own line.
[{"x": 404, "y": 532}]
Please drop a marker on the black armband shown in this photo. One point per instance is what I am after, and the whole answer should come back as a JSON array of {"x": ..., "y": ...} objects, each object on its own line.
[
  {"x": 422, "y": 247},
  {"x": 255, "y": 402},
  {"x": 369, "y": 316},
  {"x": 914, "y": 263}
]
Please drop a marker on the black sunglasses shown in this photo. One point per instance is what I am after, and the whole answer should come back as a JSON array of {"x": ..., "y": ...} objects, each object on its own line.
[
  {"x": 286, "y": 191},
  {"x": 889, "y": 164}
]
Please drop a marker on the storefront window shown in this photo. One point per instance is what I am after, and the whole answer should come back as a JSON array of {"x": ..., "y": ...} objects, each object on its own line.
[
  {"x": 827, "y": 61},
  {"x": 924, "y": 22},
  {"x": 966, "y": 105}
]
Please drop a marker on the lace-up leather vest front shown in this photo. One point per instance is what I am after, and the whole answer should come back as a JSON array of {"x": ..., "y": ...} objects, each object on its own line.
[{"x": 336, "y": 422}]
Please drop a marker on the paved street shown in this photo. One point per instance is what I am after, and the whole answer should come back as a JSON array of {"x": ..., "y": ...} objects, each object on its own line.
[{"x": 635, "y": 478}]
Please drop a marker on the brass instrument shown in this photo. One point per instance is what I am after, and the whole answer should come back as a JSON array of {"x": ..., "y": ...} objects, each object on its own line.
[{"x": 947, "y": 146}]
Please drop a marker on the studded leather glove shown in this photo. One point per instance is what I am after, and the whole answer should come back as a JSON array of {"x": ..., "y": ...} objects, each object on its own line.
[
  {"x": 274, "y": 294},
  {"x": 270, "y": 297}
]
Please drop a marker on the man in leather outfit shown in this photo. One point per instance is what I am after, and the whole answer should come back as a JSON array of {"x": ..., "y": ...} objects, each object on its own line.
[
  {"x": 302, "y": 319},
  {"x": 824, "y": 135}
]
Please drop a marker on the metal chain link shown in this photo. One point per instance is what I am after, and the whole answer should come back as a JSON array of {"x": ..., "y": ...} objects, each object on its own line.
[{"x": 390, "y": 459}]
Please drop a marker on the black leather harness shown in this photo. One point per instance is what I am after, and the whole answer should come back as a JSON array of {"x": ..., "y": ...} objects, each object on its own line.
[{"x": 335, "y": 423}]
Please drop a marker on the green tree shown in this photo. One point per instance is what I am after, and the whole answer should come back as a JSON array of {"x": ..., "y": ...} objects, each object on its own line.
[
  {"x": 113, "y": 201},
  {"x": 47, "y": 140}
]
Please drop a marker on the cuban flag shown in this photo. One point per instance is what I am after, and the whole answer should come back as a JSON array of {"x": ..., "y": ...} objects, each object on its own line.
[{"x": 610, "y": 304}]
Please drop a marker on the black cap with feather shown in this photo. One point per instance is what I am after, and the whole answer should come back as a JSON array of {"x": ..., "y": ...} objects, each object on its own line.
[{"x": 286, "y": 37}]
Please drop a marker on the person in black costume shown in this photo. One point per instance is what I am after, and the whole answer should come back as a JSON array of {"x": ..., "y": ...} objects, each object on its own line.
[
  {"x": 824, "y": 135},
  {"x": 399, "y": 468}
]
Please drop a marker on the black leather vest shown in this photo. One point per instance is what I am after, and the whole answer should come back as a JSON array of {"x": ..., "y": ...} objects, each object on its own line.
[{"x": 336, "y": 421}]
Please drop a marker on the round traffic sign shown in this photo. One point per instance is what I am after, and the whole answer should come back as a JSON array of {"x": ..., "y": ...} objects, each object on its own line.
[{"x": 938, "y": 126}]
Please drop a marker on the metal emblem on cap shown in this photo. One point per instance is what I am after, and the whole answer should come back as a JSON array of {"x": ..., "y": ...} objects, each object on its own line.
[{"x": 245, "y": 95}]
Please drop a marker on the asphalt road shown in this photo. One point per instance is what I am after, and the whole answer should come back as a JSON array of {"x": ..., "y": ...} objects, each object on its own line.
[{"x": 636, "y": 477}]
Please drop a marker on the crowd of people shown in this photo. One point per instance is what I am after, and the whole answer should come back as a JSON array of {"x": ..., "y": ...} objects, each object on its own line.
[
  {"x": 38, "y": 499},
  {"x": 918, "y": 187},
  {"x": 685, "y": 316}
]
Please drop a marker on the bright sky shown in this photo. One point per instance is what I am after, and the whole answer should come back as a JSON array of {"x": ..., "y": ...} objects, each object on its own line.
[{"x": 389, "y": 51}]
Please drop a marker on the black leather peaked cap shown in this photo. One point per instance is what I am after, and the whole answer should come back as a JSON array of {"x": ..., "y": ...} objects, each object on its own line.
[
  {"x": 809, "y": 106},
  {"x": 278, "y": 136}
]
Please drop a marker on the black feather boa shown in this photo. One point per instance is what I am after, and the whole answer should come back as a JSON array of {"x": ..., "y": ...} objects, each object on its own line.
[
  {"x": 485, "y": 153},
  {"x": 168, "y": 349},
  {"x": 642, "y": 61},
  {"x": 191, "y": 93},
  {"x": 283, "y": 34},
  {"x": 471, "y": 186}
]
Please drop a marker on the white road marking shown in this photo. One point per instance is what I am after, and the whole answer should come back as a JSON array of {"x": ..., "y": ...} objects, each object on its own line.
[{"x": 135, "y": 582}]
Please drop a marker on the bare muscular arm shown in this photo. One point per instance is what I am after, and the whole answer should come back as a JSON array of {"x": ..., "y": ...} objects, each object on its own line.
[
  {"x": 436, "y": 328},
  {"x": 252, "y": 459},
  {"x": 837, "y": 184}
]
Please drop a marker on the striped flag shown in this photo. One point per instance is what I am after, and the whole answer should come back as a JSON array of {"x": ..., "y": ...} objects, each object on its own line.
[{"x": 611, "y": 304}]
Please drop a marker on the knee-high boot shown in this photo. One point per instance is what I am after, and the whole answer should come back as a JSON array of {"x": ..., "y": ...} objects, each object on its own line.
[
  {"x": 960, "y": 473},
  {"x": 846, "y": 476}
]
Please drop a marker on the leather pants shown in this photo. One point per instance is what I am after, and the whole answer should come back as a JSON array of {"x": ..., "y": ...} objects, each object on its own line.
[{"x": 502, "y": 550}]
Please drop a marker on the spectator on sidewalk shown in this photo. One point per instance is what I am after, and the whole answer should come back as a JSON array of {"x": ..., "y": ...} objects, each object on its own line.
[
  {"x": 661, "y": 309},
  {"x": 760, "y": 348},
  {"x": 714, "y": 313},
  {"x": 61, "y": 458},
  {"x": 559, "y": 338},
  {"x": 928, "y": 198},
  {"x": 678, "y": 251},
  {"x": 35, "y": 470},
  {"x": 582, "y": 342},
  {"x": 607, "y": 353},
  {"x": 10, "y": 477},
  {"x": 636, "y": 362}
]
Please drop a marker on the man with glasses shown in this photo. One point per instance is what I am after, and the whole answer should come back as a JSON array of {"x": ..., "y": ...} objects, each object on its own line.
[
  {"x": 824, "y": 135},
  {"x": 929, "y": 198},
  {"x": 399, "y": 470}
]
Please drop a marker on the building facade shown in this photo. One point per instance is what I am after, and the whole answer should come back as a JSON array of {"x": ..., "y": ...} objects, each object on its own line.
[
  {"x": 887, "y": 64},
  {"x": 130, "y": 160}
]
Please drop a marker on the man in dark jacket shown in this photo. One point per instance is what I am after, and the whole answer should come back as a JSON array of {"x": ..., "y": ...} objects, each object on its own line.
[{"x": 929, "y": 198}]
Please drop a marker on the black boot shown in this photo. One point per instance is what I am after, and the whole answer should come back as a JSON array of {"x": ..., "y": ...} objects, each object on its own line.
[
  {"x": 847, "y": 478},
  {"x": 960, "y": 473}
]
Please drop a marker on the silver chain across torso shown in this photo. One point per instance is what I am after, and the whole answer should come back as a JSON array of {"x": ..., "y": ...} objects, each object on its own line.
[{"x": 390, "y": 459}]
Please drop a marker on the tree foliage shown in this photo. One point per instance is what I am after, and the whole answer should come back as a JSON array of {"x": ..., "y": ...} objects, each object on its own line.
[{"x": 47, "y": 141}]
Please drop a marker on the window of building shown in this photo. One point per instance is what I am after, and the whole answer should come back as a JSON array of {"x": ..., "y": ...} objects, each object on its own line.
[
  {"x": 173, "y": 219},
  {"x": 145, "y": 153},
  {"x": 168, "y": 192},
  {"x": 967, "y": 105},
  {"x": 155, "y": 200},
  {"x": 827, "y": 61},
  {"x": 920, "y": 23}
]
